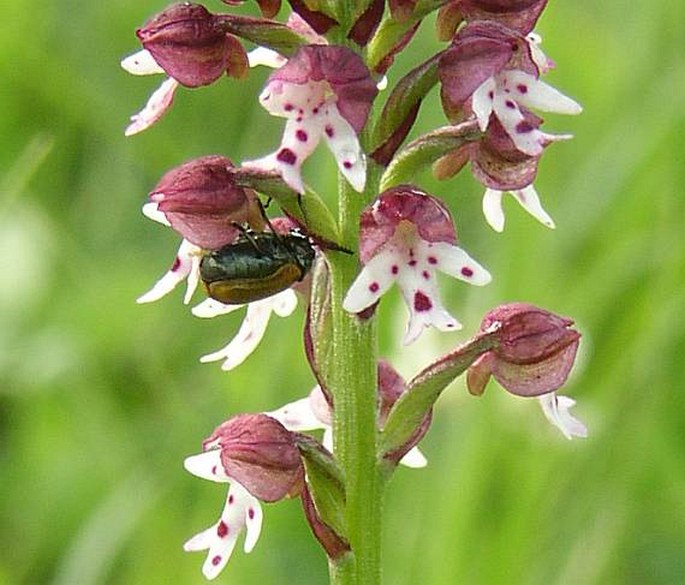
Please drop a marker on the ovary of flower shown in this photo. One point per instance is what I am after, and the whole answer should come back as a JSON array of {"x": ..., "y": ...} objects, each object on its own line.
[
  {"x": 241, "y": 510},
  {"x": 186, "y": 266},
  {"x": 301, "y": 416},
  {"x": 412, "y": 263},
  {"x": 557, "y": 411},
  {"x": 505, "y": 92},
  {"x": 252, "y": 328},
  {"x": 311, "y": 113},
  {"x": 528, "y": 199}
]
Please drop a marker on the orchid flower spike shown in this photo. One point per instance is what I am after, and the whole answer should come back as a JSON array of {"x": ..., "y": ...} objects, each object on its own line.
[
  {"x": 406, "y": 235},
  {"x": 324, "y": 92}
]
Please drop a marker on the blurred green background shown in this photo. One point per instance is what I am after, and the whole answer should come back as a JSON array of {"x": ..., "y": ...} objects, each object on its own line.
[{"x": 101, "y": 399}]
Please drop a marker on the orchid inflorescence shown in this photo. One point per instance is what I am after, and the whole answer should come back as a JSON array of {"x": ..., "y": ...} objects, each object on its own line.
[{"x": 329, "y": 61}]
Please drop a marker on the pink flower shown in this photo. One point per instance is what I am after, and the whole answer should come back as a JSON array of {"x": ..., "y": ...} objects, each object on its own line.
[
  {"x": 324, "y": 92},
  {"x": 406, "y": 235},
  {"x": 491, "y": 70}
]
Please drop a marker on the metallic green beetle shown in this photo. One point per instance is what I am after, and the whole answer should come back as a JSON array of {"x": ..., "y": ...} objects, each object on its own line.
[{"x": 255, "y": 266}]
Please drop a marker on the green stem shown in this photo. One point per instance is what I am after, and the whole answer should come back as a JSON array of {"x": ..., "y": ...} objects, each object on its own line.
[{"x": 353, "y": 385}]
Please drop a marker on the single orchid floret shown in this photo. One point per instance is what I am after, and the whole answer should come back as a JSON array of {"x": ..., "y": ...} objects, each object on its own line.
[
  {"x": 533, "y": 357},
  {"x": 520, "y": 15},
  {"x": 323, "y": 92},
  {"x": 258, "y": 457},
  {"x": 502, "y": 168},
  {"x": 314, "y": 413},
  {"x": 493, "y": 71},
  {"x": 405, "y": 236},
  {"x": 187, "y": 43},
  {"x": 252, "y": 328},
  {"x": 556, "y": 409}
]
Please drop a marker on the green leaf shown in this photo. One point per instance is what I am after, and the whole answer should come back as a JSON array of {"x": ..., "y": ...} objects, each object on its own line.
[
  {"x": 427, "y": 149},
  {"x": 422, "y": 392},
  {"x": 326, "y": 482},
  {"x": 405, "y": 97},
  {"x": 266, "y": 33},
  {"x": 390, "y": 32}
]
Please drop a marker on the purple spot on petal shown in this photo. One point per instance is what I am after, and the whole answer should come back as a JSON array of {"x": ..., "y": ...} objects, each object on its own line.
[
  {"x": 395, "y": 269},
  {"x": 522, "y": 88},
  {"x": 315, "y": 111},
  {"x": 491, "y": 94},
  {"x": 426, "y": 274},
  {"x": 432, "y": 260},
  {"x": 524, "y": 127},
  {"x": 412, "y": 263},
  {"x": 347, "y": 164},
  {"x": 214, "y": 470},
  {"x": 422, "y": 302},
  {"x": 222, "y": 529},
  {"x": 216, "y": 560},
  {"x": 374, "y": 287},
  {"x": 511, "y": 105},
  {"x": 230, "y": 499},
  {"x": 288, "y": 107},
  {"x": 301, "y": 135},
  {"x": 176, "y": 265},
  {"x": 329, "y": 131},
  {"x": 287, "y": 156},
  {"x": 250, "y": 514},
  {"x": 466, "y": 271},
  {"x": 299, "y": 119}
]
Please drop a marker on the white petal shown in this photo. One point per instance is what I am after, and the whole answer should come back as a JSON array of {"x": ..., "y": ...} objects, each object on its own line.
[
  {"x": 530, "y": 201},
  {"x": 482, "y": 102},
  {"x": 253, "y": 521},
  {"x": 527, "y": 139},
  {"x": 542, "y": 61},
  {"x": 193, "y": 278},
  {"x": 454, "y": 261},
  {"x": 151, "y": 211},
  {"x": 327, "y": 439},
  {"x": 248, "y": 337},
  {"x": 159, "y": 102},
  {"x": 492, "y": 209},
  {"x": 538, "y": 95},
  {"x": 297, "y": 416},
  {"x": 207, "y": 465},
  {"x": 344, "y": 144},
  {"x": 181, "y": 269},
  {"x": 556, "y": 409},
  {"x": 141, "y": 63},
  {"x": 373, "y": 281},
  {"x": 266, "y": 57},
  {"x": 284, "y": 302},
  {"x": 210, "y": 308},
  {"x": 414, "y": 459},
  {"x": 424, "y": 304}
]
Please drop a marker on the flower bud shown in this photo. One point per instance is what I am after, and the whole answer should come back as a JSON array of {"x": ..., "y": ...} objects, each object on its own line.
[
  {"x": 535, "y": 351},
  {"x": 187, "y": 42},
  {"x": 259, "y": 453},
  {"x": 202, "y": 202}
]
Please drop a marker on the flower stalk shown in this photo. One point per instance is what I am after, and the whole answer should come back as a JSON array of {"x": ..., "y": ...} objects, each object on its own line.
[{"x": 353, "y": 386}]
